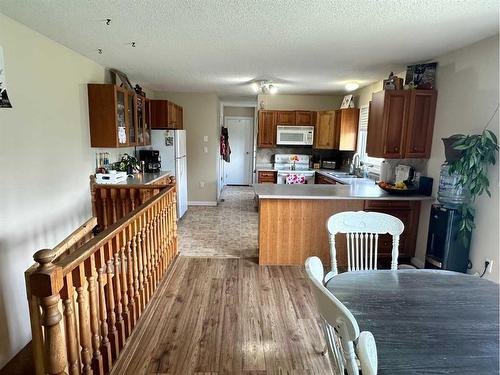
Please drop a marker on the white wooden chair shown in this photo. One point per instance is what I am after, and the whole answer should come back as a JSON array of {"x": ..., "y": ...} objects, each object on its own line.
[
  {"x": 362, "y": 230},
  {"x": 341, "y": 330}
]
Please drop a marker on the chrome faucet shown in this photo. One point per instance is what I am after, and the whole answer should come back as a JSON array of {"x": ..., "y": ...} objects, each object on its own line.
[{"x": 355, "y": 164}]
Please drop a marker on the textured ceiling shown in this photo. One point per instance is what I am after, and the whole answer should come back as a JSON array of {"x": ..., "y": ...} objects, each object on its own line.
[{"x": 219, "y": 46}]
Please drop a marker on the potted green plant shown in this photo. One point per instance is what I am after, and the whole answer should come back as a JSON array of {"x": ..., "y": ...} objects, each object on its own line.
[
  {"x": 128, "y": 164},
  {"x": 476, "y": 153}
]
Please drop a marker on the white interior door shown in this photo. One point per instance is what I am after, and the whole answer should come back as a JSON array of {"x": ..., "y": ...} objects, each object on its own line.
[{"x": 239, "y": 169}]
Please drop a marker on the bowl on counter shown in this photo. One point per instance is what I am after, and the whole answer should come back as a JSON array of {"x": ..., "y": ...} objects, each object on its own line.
[{"x": 391, "y": 189}]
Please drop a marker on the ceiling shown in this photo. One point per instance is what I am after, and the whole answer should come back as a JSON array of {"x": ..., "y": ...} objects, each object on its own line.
[{"x": 221, "y": 45}]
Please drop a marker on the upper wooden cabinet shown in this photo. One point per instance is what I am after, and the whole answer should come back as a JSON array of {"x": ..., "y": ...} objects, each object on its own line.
[
  {"x": 337, "y": 130},
  {"x": 117, "y": 117},
  {"x": 346, "y": 129},
  {"x": 305, "y": 118},
  {"x": 401, "y": 123},
  {"x": 166, "y": 115},
  {"x": 266, "y": 136},
  {"x": 325, "y": 130},
  {"x": 285, "y": 118}
]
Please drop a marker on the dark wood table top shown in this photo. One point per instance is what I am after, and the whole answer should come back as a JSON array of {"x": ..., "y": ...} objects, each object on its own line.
[{"x": 425, "y": 321}]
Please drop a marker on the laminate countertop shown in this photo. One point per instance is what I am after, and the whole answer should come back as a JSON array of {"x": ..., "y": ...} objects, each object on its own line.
[
  {"x": 357, "y": 189},
  {"x": 139, "y": 179}
]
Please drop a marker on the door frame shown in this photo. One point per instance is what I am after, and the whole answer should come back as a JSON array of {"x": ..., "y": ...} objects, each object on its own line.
[
  {"x": 252, "y": 142},
  {"x": 252, "y": 103}
]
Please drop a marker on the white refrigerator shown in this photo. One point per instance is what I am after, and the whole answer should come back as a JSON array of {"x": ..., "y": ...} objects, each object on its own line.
[{"x": 172, "y": 147}]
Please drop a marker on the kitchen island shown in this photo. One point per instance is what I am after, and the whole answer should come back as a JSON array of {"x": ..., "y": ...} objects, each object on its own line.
[{"x": 292, "y": 220}]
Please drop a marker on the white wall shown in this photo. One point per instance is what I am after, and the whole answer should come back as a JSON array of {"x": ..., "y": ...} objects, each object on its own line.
[
  {"x": 467, "y": 83},
  {"x": 46, "y": 162},
  {"x": 201, "y": 116}
]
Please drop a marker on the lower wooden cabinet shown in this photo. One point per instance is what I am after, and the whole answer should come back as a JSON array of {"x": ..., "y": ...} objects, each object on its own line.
[
  {"x": 267, "y": 177},
  {"x": 321, "y": 179},
  {"x": 408, "y": 212}
]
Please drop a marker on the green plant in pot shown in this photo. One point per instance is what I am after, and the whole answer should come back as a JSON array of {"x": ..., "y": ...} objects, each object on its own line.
[
  {"x": 128, "y": 164},
  {"x": 469, "y": 160}
]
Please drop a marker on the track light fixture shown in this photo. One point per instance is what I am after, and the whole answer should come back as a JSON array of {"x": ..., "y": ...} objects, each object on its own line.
[{"x": 264, "y": 87}]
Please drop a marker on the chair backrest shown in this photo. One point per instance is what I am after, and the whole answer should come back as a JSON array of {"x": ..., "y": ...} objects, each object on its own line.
[
  {"x": 335, "y": 314},
  {"x": 362, "y": 230}
]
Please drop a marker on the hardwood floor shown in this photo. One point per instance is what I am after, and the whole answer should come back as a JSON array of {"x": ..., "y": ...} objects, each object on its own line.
[{"x": 228, "y": 316}]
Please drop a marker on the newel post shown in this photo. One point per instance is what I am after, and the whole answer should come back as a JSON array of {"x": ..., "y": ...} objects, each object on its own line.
[{"x": 46, "y": 283}]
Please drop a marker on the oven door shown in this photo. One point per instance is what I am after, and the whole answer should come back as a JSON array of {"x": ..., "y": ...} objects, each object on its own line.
[{"x": 295, "y": 135}]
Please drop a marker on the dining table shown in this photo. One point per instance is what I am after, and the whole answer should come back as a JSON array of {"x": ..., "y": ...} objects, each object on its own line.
[{"x": 425, "y": 321}]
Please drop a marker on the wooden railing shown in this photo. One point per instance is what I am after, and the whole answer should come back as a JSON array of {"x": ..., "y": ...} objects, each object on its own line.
[
  {"x": 86, "y": 300},
  {"x": 112, "y": 202}
]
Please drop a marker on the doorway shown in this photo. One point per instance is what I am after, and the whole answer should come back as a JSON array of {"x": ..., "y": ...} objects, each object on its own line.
[{"x": 240, "y": 134}]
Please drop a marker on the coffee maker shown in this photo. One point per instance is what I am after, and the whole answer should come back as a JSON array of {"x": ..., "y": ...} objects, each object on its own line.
[{"x": 152, "y": 160}]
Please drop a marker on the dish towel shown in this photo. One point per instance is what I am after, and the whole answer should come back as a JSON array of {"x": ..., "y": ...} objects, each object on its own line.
[{"x": 293, "y": 178}]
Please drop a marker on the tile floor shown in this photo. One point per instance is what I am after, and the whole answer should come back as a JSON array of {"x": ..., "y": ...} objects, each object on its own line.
[{"x": 229, "y": 230}]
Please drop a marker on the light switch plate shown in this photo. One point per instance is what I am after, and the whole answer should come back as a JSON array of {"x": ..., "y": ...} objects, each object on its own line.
[
  {"x": 205, "y": 150},
  {"x": 205, "y": 138}
]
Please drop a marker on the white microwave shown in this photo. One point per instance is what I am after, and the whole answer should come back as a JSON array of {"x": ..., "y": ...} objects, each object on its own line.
[{"x": 295, "y": 135}]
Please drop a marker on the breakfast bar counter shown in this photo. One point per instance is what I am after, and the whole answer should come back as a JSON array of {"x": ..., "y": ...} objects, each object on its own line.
[
  {"x": 360, "y": 189},
  {"x": 292, "y": 219}
]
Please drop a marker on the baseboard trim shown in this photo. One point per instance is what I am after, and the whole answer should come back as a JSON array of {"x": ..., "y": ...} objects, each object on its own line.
[{"x": 202, "y": 203}]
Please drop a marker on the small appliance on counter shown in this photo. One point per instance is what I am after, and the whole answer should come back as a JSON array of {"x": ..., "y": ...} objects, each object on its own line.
[
  {"x": 404, "y": 173},
  {"x": 151, "y": 159},
  {"x": 328, "y": 164},
  {"x": 293, "y": 169}
]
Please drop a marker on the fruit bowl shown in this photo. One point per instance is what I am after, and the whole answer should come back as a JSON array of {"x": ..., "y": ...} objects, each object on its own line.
[{"x": 392, "y": 189}]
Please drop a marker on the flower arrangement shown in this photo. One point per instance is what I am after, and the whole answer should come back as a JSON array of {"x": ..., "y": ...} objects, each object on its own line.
[
  {"x": 294, "y": 159},
  {"x": 127, "y": 164}
]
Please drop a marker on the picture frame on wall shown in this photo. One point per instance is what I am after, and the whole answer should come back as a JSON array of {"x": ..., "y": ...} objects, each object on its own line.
[
  {"x": 421, "y": 76},
  {"x": 346, "y": 101}
]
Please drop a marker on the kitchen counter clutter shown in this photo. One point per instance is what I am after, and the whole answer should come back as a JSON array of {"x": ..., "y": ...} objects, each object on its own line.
[{"x": 139, "y": 179}]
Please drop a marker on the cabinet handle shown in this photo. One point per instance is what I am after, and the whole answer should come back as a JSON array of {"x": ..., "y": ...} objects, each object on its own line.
[{"x": 395, "y": 148}]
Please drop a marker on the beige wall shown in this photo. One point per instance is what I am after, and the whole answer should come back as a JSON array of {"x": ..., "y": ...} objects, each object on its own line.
[
  {"x": 300, "y": 102},
  {"x": 200, "y": 119},
  {"x": 238, "y": 111},
  {"x": 46, "y": 162},
  {"x": 467, "y": 83}
]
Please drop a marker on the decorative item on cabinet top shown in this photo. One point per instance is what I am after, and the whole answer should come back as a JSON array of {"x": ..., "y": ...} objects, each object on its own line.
[{"x": 118, "y": 117}]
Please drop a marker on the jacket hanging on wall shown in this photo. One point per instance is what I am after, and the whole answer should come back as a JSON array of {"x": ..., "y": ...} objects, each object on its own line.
[{"x": 225, "y": 150}]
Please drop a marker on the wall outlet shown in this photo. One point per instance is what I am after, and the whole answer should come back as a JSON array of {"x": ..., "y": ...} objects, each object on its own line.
[
  {"x": 205, "y": 138},
  {"x": 205, "y": 150},
  {"x": 202, "y": 184},
  {"x": 490, "y": 265}
]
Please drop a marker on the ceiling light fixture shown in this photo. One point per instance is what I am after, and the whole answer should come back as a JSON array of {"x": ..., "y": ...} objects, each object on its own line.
[
  {"x": 351, "y": 86},
  {"x": 264, "y": 87}
]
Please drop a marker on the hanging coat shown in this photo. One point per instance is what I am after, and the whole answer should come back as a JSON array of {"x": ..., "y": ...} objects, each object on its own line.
[{"x": 225, "y": 150}]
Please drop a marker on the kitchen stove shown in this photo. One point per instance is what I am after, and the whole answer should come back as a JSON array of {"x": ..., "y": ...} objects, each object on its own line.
[{"x": 293, "y": 169}]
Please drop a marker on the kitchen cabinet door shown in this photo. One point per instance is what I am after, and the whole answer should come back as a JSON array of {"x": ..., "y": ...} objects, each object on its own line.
[
  {"x": 320, "y": 179},
  {"x": 394, "y": 122},
  {"x": 285, "y": 118},
  {"x": 147, "y": 122},
  {"x": 180, "y": 118},
  {"x": 420, "y": 124},
  {"x": 172, "y": 115},
  {"x": 324, "y": 132},
  {"x": 266, "y": 136},
  {"x": 408, "y": 212},
  {"x": 159, "y": 114},
  {"x": 266, "y": 177},
  {"x": 304, "y": 118},
  {"x": 346, "y": 129}
]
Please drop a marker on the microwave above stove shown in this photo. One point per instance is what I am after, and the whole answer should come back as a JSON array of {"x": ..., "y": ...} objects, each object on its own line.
[{"x": 295, "y": 135}]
